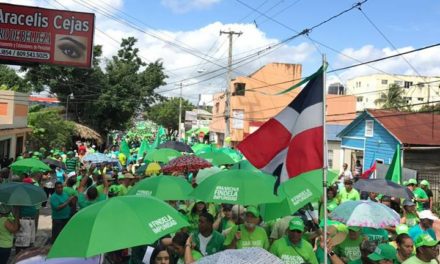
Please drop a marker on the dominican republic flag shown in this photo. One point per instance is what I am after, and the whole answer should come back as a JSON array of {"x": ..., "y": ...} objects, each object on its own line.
[
  {"x": 291, "y": 143},
  {"x": 367, "y": 174}
]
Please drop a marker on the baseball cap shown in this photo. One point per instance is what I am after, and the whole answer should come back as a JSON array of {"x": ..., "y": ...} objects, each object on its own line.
[
  {"x": 354, "y": 228},
  {"x": 408, "y": 202},
  {"x": 424, "y": 182},
  {"x": 296, "y": 223},
  {"x": 425, "y": 240},
  {"x": 253, "y": 210},
  {"x": 402, "y": 229},
  {"x": 427, "y": 214},
  {"x": 383, "y": 251},
  {"x": 405, "y": 183},
  {"x": 412, "y": 181}
]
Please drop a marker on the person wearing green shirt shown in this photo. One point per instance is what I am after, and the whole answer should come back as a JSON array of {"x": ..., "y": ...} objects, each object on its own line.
[
  {"x": 292, "y": 248},
  {"x": 126, "y": 180},
  {"x": 206, "y": 239},
  {"x": 91, "y": 195},
  {"x": 349, "y": 249},
  {"x": 248, "y": 234},
  {"x": 410, "y": 216},
  {"x": 60, "y": 204},
  {"x": 420, "y": 196},
  {"x": 184, "y": 248},
  {"x": 384, "y": 254},
  {"x": 348, "y": 193},
  {"x": 224, "y": 219},
  {"x": 8, "y": 226},
  {"x": 404, "y": 246},
  {"x": 427, "y": 251}
]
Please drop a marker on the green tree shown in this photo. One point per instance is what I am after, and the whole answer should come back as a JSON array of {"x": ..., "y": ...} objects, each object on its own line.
[
  {"x": 166, "y": 113},
  {"x": 9, "y": 80},
  {"x": 49, "y": 129},
  {"x": 431, "y": 108},
  {"x": 393, "y": 98}
]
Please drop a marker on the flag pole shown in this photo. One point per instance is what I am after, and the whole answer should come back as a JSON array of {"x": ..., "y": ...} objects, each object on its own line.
[{"x": 324, "y": 155}]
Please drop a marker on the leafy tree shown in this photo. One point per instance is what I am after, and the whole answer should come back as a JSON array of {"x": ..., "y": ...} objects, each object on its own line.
[
  {"x": 431, "y": 108},
  {"x": 166, "y": 113},
  {"x": 49, "y": 129},
  {"x": 102, "y": 100},
  {"x": 393, "y": 98},
  {"x": 9, "y": 80}
]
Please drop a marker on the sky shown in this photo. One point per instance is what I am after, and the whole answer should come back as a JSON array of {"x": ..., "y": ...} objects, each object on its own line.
[{"x": 184, "y": 34}]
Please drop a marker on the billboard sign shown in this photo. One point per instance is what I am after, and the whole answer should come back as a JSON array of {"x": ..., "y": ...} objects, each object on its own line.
[{"x": 38, "y": 35}]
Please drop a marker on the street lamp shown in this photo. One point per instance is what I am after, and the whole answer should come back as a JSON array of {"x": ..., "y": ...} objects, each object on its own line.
[
  {"x": 70, "y": 96},
  {"x": 180, "y": 113}
]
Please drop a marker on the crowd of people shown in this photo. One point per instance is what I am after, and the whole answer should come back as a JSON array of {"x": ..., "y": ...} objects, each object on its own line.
[{"x": 296, "y": 238}]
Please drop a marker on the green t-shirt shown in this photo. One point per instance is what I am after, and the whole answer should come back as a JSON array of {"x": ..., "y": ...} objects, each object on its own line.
[
  {"x": 122, "y": 190},
  {"x": 195, "y": 254},
  {"x": 70, "y": 191},
  {"x": 214, "y": 245},
  {"x": 293, "y": 254},
  {"x": 375, "y": 234},
  {"x": 83, "y": 202},
  {"x": 344, "y": 196},
  {"x": 420, "y": 194},
  {"x": 55, "y": 201},
  {"x": 225, "y": 224},
  {"x": 349, "y": 249},
  {"x": 258, "y": 238},
  {"x": 6, "y": 237},
  {"x": 416, "y": 260},
  {"x": 411, "y": 220}
]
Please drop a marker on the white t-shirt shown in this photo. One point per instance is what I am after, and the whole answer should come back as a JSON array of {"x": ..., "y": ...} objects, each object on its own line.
[{"x": 203, "y": 243}]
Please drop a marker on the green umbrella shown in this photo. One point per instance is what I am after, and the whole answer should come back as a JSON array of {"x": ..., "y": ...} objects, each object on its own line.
[
  {"x": 234, "y": 154},
  {"x": 21, "y": 194},
  {"x": 29, "y": 165},
  {"x": 217, "y": 158},
  {"x": 203, "y": 174},
  {"x": 296, "y": 193},
  {"x": 162, "y": 155},
  {"x": 199, "y": 146},
  {"x": 117, "y": 223},
  {"x": 244, "y": 165},
  {"x": 237, "y": 187},
  {"x": 163, "y": 187}
]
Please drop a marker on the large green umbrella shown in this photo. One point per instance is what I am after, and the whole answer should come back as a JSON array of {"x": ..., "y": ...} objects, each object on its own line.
[
  {"x": 199, "y": 146},
  {"x": 21, "y": 194},
  {"x": 234, "y": 154},
  {"x": 237, "y": 187},
  {"x": 117, "y": 223},
  {"x": 163, "y": 155},
  {"x": 296, "y": 193},
  {"x": 163, "y": 187},
  {"x": 29, "y": 165},
  {"x": 217, "y": 158}
]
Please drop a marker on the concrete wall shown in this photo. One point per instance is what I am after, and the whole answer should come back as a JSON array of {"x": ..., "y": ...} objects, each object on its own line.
[{"x": 13, "y": 109}]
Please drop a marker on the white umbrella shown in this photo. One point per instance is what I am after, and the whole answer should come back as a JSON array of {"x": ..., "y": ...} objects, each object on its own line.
[{"x": 241, "y": 256}]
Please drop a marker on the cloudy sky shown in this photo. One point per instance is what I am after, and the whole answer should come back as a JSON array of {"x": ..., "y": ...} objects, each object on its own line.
[{"x": 185, "y": 35}]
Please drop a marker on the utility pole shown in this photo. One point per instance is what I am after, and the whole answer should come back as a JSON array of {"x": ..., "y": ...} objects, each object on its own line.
[
  {"x": 228, "y": 80},
  {"x": 180, "y": 113}
]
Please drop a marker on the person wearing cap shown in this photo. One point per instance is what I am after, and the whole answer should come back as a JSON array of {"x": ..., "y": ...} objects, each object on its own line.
[
  {"x": 248, "y": 234},
  {"x": 425, "y": 186},
  {"x": 404, "y": 245},
  {"x": 348, "y": 193},
  {"x": 292, "y": 248},
  {"x": 410, "y": 216},
  {"x": 383, "y": 254},
  {"x": 126, "y": 180},
  {"x": 420, "y": 195},
  {"x": 206, "y": 239},
  {"x": 349, "y": 249},
  {"x": 427, "y": 219},
  {"x": 8, "y": 226},
  {"x": 427, "y": 251},
  {"x": 224, "y": 219}
]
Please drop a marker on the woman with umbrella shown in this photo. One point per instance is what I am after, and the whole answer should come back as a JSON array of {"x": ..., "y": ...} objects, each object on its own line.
[{"x": 8, "y": 226}]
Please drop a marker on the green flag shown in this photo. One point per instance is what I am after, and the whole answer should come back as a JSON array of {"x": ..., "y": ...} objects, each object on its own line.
[
  {"x": 157, "y": 140},
  {"x": 125, "y": 149},
  {"x": 394, "y": 172},
  {"x": 142, "y": 149}
]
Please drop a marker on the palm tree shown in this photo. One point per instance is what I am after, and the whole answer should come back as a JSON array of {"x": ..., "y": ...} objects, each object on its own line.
[{"x": 392, "y": 98}]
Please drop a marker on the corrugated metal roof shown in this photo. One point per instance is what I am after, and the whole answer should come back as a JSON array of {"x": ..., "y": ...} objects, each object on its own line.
[
  {"x": 332, "y": 130},
  {"x": 410, "y": 128}
]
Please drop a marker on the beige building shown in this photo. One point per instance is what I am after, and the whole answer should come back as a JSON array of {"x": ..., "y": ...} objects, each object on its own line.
[
  {"x": 418, "y": 90},
  {"x": 252, "y": 102},
  {"x": 13, "y": 123}
]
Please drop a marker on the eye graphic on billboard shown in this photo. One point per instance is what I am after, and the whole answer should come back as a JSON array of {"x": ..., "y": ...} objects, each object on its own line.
[{"x": 39, "y": 35}]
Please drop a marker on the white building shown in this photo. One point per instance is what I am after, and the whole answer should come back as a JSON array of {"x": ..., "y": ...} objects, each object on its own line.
[{"x": 418, "y": 90}]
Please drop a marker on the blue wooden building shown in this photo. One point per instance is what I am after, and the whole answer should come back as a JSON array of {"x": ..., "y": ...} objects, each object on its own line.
[{"x": 374, "y": 135}]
